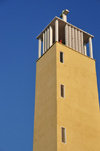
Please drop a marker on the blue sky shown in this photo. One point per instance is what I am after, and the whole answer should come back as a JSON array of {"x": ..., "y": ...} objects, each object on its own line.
[{"x": 20, "y": 22}]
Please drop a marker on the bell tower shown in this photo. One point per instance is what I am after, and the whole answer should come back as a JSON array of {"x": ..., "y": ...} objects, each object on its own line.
[{"x": 67, "y": 116}]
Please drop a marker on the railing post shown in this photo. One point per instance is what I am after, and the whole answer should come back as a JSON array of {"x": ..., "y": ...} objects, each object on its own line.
[
  {"x": 39, "y": 48},
  {"x": 85, "y": 49},
  {"x": 56, "y": 30},
  {"x": 76, "y": 41},
  {"x": 73, "y": 39},
  {"x": 43, "y": 43},
  {"x": 66, "y": 35},
  {"x": 69, "y": 35},
  {"x": 82, "y": 50},
  {"x": 90, "y": 47},
  {"x": 79, "y": 47},
  {"x": 50, "y": 36},
  {"x": 45, "y": 37}
]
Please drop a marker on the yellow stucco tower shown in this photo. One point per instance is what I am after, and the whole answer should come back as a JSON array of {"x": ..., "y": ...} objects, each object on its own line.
[{"x": 67, "y": 116}]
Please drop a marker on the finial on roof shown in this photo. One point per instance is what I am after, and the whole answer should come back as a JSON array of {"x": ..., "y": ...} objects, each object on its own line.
[{"x": 64, "y": 14}]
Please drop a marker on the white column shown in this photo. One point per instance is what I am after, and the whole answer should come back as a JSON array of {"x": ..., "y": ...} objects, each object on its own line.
[
  {"x": 85, "y": 49},
  {"x": 76, "y": 40},
  {"x": 56, "y": 31},
  {"x": 79, "y": 47},
  {"x": 50, "y": 36},
  {"x": 73, "y": 39},
  {"x": 43, "y": 43},
  {"x": 69, "y": 40},
  {"x": 66, "y": 35},
  {"x": 39, "y": 48},
  {"x": 90, "y": 47},
  {"x": 48, "y": 39},
  {"x": 82, "y": 50}
]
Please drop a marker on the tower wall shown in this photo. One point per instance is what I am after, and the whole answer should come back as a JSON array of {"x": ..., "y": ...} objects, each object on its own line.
[
  {"x": 78, "y": 111},
  {"x": 45, "y": 123}
]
